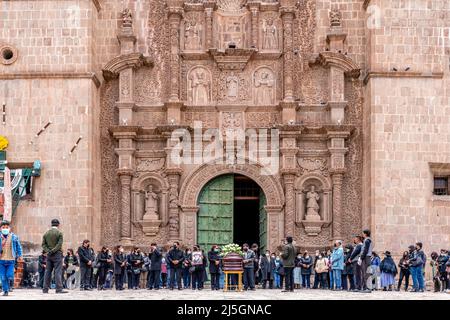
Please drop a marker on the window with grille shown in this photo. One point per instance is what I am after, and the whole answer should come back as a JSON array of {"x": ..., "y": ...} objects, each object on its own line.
[{"x": 441, "y": 186}]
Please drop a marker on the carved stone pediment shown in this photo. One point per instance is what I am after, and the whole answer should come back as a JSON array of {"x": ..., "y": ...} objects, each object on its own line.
[
  {"x": 232, "y": 59},
  {"x": 338, "y": 59},
  {"x": 112, "y": 69}
]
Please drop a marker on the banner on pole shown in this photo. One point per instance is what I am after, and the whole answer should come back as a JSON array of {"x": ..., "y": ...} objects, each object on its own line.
[{"x": 7, "y": 196}]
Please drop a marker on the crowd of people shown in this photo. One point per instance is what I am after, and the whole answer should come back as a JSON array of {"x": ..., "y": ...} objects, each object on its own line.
[{"x": 354, "y": 267}]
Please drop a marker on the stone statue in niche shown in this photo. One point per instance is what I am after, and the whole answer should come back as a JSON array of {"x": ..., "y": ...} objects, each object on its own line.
[
  {"x": 199, "y": 86},
  {"x": 270, "y": 38},
  {"x": 335, "y": 18},
  {"x": 192, "y": 36},
  {"x": 312, "y": 202},
  {"x": 127, "y": 18},
  {"x": 232, "y": 87},
  {"x": 264, "y": 87},
  {"x": 151, "y": 202}
]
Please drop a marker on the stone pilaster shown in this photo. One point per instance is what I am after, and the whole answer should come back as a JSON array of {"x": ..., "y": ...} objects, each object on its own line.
[
  {"x": 289, "y": 208},
  {"x": 209, "y": 8},
  {"x": 254, "y": 9},
  {"x": 335, "y": 42},
  {"x": 125, "y": 206},
  {"x": 175, "y": 15},
  {"x": 287, "y": 17},
  {"x": 336, "y": 146}
]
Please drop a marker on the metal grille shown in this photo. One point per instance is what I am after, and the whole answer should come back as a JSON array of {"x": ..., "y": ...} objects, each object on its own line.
[{"x": 441, "y": 186}]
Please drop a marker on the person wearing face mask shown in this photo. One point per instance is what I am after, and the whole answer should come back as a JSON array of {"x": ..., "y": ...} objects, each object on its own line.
[
  {"x": 288, "y": 257},
  {"x": 70, "y": 265},
  {"x": 297, "y": 271},
  {"x": 175, "y": 258},
  {"x": 278, "y": 278},
  {"x": 86, "y": 262},
  {"x": 316, "y": 276},
  {"x": 104, "y": 259},
  {"x": 155, "y": 257},
  {"x": 52, "y": 242},
  {"x": 197, "y": 268},
  {"x": 214, "y": 267},
  {"x": 10, "y": 251},
  {"x": 306, "y": 264},
  {"x": 347, "y": 274},
  {"x": 249, "y": 268},
  {"x": 120, "y": 265},
  {"x": 356, "y": 265},
  {"x": 267, "y": 266},
  {"x": 136, "y": 261},
  {"x": 185, "y": 269}
]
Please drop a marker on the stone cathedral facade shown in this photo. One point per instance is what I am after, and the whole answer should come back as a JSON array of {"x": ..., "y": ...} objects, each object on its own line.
[{"x": 357, "y": 91}]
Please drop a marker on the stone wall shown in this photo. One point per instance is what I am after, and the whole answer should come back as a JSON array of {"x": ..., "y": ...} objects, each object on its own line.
[{"x": 406, "y": 119}]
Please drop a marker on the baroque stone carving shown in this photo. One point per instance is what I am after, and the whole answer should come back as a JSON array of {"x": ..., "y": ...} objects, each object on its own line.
[
  {"x": 264, "y": 87},
  {"x": 312, "y": 205},
  {"x": 335, "y": 18},
  {"x": 151, "y": 202},
  {"x": 231, "y": 5},
  {"x": 199, "y": 86},
  {"x": 270, "y": 35},
  {"x": 127, "y": 18},
  {"x": 150, "y": 165},
  {"x": 193, "y": 35}
]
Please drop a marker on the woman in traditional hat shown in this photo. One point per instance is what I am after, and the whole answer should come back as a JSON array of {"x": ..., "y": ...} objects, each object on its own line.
[{"x": 388, "y": 272}]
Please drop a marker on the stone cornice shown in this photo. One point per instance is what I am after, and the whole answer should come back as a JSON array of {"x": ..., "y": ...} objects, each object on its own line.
[
  {"x": 112, "y": 68},
  {"x": 402, "y": 74},
  {"x": 52, "y": 75},
  {"x": 339, "y": 60}
]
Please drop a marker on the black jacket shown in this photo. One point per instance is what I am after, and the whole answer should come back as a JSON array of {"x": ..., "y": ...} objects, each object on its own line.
[
  {"x": 175, "y": 254},
  {"x": 119, "y": 258},
  {"x": 212, "y": 258},
  {"x": 267, "y": 266},
  {"x": 155, "y": 259},
  {"x": 136, "y": 260},
  {"x": 356, "y": 252},
  {"x": 348, "y": 268},
  {"x": 85, "y": 255},
  {"x": 307, "y": 261},
  {"x": 103, "y": 258},
  {"x": 66, "y": 260},
  {"x": 41, "y": 261},
  {"x": 388, "y": 266}
]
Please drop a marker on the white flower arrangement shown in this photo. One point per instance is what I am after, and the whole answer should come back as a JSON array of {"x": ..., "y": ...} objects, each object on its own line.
[{"x": 231, "y": 248}]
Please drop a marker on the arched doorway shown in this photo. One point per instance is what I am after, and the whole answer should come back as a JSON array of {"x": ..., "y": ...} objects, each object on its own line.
[{"x": 231, "y": 210}]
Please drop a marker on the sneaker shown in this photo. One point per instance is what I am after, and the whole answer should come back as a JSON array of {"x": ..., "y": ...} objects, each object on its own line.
[{"x": 5, "y": 293}]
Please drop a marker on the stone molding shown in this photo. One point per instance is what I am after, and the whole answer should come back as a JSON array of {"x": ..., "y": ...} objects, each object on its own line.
[
  {"x": 52, "y": 75},
  {"x": 340, "y": 60},
  {"x": 134, "y": 60},
  {"x": 401, "y": 74}
]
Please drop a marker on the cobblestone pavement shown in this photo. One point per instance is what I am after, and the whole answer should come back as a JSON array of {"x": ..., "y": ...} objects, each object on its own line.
[{"x": 206, "y": 294}]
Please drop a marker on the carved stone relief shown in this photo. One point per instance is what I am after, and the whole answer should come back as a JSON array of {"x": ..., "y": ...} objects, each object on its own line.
[
  {"x": 264, "y": 86},
  {"x": 270, "y": 35},
  {"x": 199, "y": 86}
]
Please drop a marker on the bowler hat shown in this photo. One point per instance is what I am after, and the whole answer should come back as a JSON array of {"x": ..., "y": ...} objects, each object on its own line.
[
  {"x": 388, "y": 253},
  {"x": 55, "y": 222}
]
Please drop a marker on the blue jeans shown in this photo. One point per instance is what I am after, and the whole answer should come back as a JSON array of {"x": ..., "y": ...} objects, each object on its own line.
[
  {"x": 277, "y": 281},
  {"x": 330, "y": 274},
  {"x": 417, "y": 277},
  {"x": 306, "y": 280},
  {"x": 6, "y": 273},
  {"x": 337, "y": 277},
  {"x": 186, "y": 278},
  {"x": 222, "y": 280}
]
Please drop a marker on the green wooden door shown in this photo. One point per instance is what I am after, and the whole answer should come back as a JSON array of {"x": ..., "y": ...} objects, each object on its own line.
[
  {"x": 262, "y": 222},
  {"x": 215, "y": 217}
]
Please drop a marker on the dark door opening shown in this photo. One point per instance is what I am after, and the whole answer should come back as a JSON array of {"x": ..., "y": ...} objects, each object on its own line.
[{"x": 246, "y": 211}]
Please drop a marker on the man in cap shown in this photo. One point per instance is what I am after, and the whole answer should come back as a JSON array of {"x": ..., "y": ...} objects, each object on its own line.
[
  {"x": 52, "y": 242},
  {"x": 10, "y": 250}
]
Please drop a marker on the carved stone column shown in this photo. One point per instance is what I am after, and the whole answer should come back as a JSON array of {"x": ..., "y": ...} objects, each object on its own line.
[
  {"x": 175, "y": 15},
  {"x": 287, "y": 17},
  {"x": 336, "y": 146},
  {"x": 254, "y": 9},
  {"x": 338, "y": 231},
  {"x": 288, "y": 170},
  {"x": 275, "y": 227},
  {"x": 126, "y": 136},
  {"x": 209, "y": 8},
  {"x": 125, "y": 206}
]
